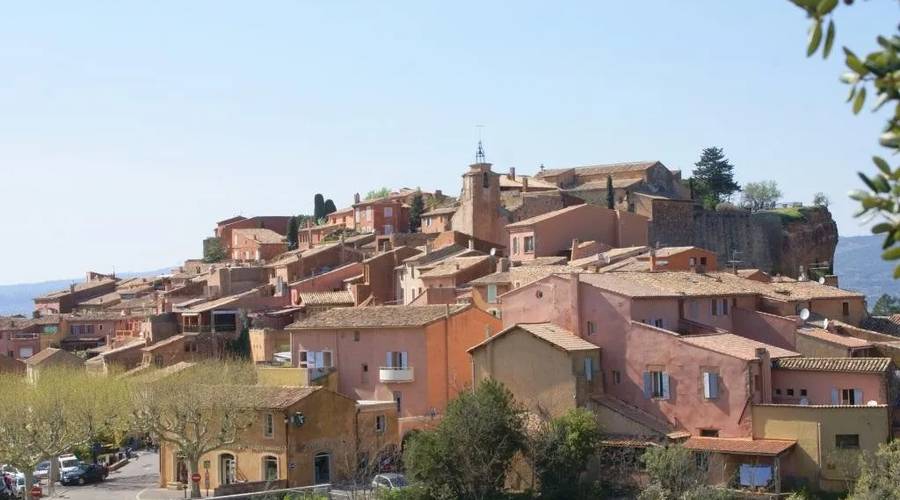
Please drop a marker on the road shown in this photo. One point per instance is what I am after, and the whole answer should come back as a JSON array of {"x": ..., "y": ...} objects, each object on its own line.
[{"x": 139, "y": 477}]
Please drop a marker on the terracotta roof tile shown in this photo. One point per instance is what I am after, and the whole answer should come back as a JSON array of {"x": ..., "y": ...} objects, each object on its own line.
[
  {"x": 375, "y": 317},
  {"x": 834, "y": 338},
  {"x": 326, "y": 298},
  {"x": 864, "y": 365},
  {"x": 261, "y": 235},
  {"x": 548, "y": 332},
  {"x": 738, "y": 446},
  {"x": 51, "y": 353},
  {"x": 455, "y": 265},
  {"x": 735, "y": 346},
  {"x": 550, "y": 215},
  {"x": 608, "y": 168}
]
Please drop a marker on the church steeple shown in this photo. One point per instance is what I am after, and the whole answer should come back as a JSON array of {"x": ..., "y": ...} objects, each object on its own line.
[{"x": 479, "y": 153}]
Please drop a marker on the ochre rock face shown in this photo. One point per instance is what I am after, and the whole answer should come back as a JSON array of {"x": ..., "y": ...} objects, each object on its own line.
[{"x": 809, "y": 241}]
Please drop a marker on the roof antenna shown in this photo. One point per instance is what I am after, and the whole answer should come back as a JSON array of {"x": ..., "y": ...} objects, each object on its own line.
[{"x": 479, "y": 153}]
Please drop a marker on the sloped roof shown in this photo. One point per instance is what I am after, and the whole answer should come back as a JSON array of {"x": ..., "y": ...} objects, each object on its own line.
[
  {"x": 554, "y": 335},
  {"x": 52, "y": 354},
  {"x": 326, "y": 298},
  {"x": 375, "y": 317},
  {"x": 735, "y": 346},
  {"x": 842, "y": 340},
  {"x": 277, "y": 398},
  {"x": 607, "y": 168},
  {"x": 601, "y": 185},
  {"x": 524, "y": 274},
  {"x": 739, "y": 446},
  {"x": 441, "y": 211},
  {"x": 670, "y": 251},
  {"x": 551, "y": 215},
  {"x": 652, "y": 422},
  {"x": 671, "y": 284},
  {"x": 15, "y": 322},
  {"x": 261, "y": 235},
  {"x": 859, "y": 365},
  {"x": 455, "y": 265},
  {"x": 108, "y": 298},
  {"x": 86, "y": 285}
]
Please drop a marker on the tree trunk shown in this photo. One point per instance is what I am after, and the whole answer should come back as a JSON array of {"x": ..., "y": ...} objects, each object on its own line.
[
  {"x": 194, "y": 468},
  {"x": 53, "y": 474},
  {"x": 29, "y": 482}
]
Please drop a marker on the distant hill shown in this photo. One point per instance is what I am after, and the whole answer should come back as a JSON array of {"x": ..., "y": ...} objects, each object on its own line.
[
  {"x": 17, "y": 298},
  {"x": 858, "y": 264}
]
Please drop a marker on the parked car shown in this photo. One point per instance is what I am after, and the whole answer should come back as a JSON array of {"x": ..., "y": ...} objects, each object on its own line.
[
  {"x": 83, "y": 474},
  {"x": 390, "y": 481},
  {"x": 68, "y": 463},
  {"x": 20, "y": 485},
  {"x": 42, "y": 471}
]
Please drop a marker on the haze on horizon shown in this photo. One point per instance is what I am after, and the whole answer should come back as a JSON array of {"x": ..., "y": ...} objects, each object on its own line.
[{"x": 128, "y": 130}]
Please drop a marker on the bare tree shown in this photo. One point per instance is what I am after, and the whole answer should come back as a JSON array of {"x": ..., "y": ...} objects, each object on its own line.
[
  {"x": 359, "y": 462},
  {"x": 198, "y": 410}
]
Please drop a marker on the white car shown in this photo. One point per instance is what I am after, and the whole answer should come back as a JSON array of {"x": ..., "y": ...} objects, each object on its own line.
[
  {"x": 68, "y": 463},
  {"x": 20, "y": 485},
  {"x": 390, "y": 481}
]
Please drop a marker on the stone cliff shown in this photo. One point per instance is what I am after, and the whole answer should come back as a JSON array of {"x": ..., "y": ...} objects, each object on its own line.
[{"x": 776, "y": 241}]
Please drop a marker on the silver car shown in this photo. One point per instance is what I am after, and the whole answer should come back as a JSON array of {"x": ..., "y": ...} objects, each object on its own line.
[{"x": 390, "y": 481}]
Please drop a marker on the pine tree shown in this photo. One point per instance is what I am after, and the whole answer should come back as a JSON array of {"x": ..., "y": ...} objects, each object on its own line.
[
  {"x": 610, "y": 194},
  {"x": 416, "y": 210},
  {"x": 319, "y": 206},
  {"x": 714, "y": 177}
]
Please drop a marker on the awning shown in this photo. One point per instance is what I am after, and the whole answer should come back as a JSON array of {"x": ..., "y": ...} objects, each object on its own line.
[{"x": 739, "y": 446}]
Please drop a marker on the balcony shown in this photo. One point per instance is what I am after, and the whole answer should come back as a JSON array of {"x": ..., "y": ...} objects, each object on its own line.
[
  {"x": 24, "y": 336},
  {"x": 221, "y": 328},
  {"x": 391, "y": 374}
]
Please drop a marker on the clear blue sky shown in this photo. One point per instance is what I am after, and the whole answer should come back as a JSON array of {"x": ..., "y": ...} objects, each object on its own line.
[{"x": 126, "y": 131}]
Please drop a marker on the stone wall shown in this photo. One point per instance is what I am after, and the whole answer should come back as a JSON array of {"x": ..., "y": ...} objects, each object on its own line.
[{"x": 770, "y": 241}]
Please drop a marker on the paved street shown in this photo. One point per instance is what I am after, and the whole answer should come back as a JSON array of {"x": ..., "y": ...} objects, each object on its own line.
[{"x": 140, "y": 477}]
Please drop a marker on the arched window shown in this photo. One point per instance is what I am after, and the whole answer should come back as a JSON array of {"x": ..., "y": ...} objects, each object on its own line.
[
  {"x": 227, "y": 469},
  {"x": 270, "y": 468},
  {"x": 485, "y": 180}
]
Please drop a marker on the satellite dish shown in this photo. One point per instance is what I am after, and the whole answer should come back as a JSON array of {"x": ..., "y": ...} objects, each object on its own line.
[
  {"x": 822, "y": 280},
  {"x": 493, "y": 251},
  {"x": 825, "y": 324},
  {"x": 804, "y": 314}
]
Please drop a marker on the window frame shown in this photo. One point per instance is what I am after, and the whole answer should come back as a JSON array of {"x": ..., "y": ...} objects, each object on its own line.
[
  {"x": 526, "y": 247},
  {"x": 269, "y": 425}
]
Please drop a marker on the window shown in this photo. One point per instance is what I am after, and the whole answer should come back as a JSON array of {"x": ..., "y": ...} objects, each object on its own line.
[
  {"x": 380, "y": 424},
  {"x": 270, "y": 469},
  {"x": 702, "y": 261},
  {"x": 656, "y": 385},
  {"x": 356, "y": 335},
  {"x": 692, "y": 261},
  {"x": 725, "y": 307},
  {"x": 617, "y": 377},
  {"x": 427, "y": 222},
  {"x": 848, "y": 396},
  {"x": 485, "y": 180},
  {"x": 702, "y": 460},
  {"x": 846, "y": 441},
  {"x": 710, "y": 385},
  {"x": 388, "y": 229},
  {"x": 803, "y": 392},
  {"x": 397, "y": 359},
  {"x": 778, "y": 392},
  {"x": 26, "y": 352},
  {"x": 227, "y": 469},
  {"x": 658, "y": 322},
  {"x": 710, "y": 433},
  {"x": 790, "y": 392},
  {"x": 846, "y": 308},
  {"x": 268, "y": 425},
  {"x": 388, "y": 211},
  {"x": 591, "y": 328},
  {"x": 515, "y": 242},
  {"x": 492, "y": 293},
  {"x": 314, "y": 359},
  {"x": 589, "y": 369},
  {"x": 719, "y": 307},
  {"x": 529, "y": 244},
  {"x": 398, "y": 398}
]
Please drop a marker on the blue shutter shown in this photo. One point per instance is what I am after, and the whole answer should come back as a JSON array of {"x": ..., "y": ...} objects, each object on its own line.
[
  {"x": 858, "y": 396},
  {"x": 648, "y": 385},
  {"x": 835, "y": 396},
  {"x": 665, "y": 386},
  {"x": 589, "y": 368},
  {"x": 389, "y": 360},
  {"x": 713, "y": 385}
]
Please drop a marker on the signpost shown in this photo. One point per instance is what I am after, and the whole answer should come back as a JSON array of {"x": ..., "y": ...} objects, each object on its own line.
[
  {"x": 206, "y": 481},
  {"x": 195, "y": 477}
]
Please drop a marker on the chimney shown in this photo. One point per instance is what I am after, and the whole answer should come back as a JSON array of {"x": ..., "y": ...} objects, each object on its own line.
[
  {"x": 574, "y": 304},
  {"x": 502, "y": 265},
  {"x": 72, "y": 288},
  {"x": 471, "y": 243},
  {"x": 438, "y": 194},
  {"x": 831, "y": 280},
  {"x": 652, "y": 259},
  {"x": 356, "y": 198},
  {"x": 512, "y": 173},
  {"x": 524, "y": 184},
  {"x": 765, "y": 374}
]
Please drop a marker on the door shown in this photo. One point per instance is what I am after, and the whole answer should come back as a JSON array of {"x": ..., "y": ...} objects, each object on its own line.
[
  {"x": 181, "y": 471},
  {"x": 322, "y": 468},
  {"x": 227, "y": 469}
]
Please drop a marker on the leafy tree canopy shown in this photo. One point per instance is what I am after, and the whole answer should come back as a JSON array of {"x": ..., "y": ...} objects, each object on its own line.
[
  {"x": 378, "y": 193},
  {"x": 886, "y": 305},
  {"x": 760, "y": 195}
]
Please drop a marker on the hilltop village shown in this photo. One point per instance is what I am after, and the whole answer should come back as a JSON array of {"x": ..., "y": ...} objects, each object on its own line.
[{"x": 602, "y": 287}]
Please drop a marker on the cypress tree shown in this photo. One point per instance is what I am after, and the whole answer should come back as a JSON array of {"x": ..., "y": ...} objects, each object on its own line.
[{"x": 610, "y": 194}]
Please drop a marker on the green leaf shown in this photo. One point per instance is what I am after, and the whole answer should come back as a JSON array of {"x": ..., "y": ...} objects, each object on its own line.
[
  {"x": 815, "y": 38},
  {"x": 854, "y": 63},
  {"x": 829, "y": 39},
  {"x": 826, "y": 6},
  {"x": 882, "y": 98},
  {"x": 867, "y": 181},
  {"x": 891, "y": 254},
  {"x": 852, "y": 93},
  {"x": 860, "y": 100},
  {"x": 882, "y": 228},
  {"x": 897, "y": 272},
  {"x": 882, "y": 165}
]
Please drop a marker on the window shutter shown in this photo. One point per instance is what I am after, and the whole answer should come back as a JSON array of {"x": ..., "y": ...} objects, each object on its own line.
[
  {"x": 389, "y": 360},
  {"x": 648, "y": 385},
  {"x": 707, "y": 386},
  {"x": 404, "y": 360},
  {"x": 665, "y": 385},
  {"x": 589, "y": 368},
  {"x": 713, "y": 385},
  {"x": 724, "y": 307},
  {"x": 858, "y": 396},
  {"x": 835, "y": 396}
]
